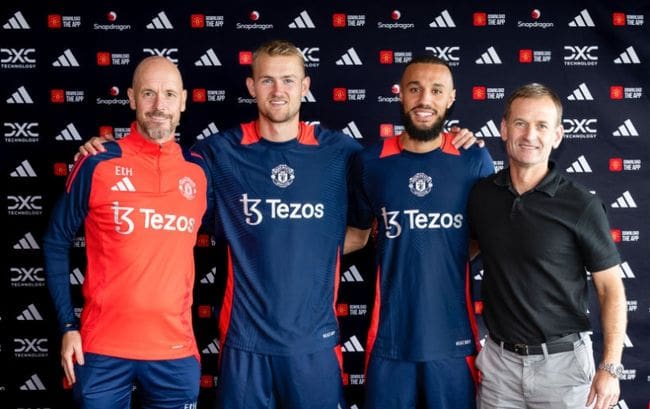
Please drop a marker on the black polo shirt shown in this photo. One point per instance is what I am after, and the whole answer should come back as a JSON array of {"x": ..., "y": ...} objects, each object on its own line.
[{"x": 535, "y": 248}]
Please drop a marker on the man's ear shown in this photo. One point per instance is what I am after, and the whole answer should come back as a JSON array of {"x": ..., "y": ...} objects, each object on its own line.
[
  {"x": 131, "y": 95},
  {"x": 250, "y": 84}
]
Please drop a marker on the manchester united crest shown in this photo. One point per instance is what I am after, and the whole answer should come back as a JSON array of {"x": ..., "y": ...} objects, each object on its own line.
[
  {"x": 282, "y": 175},
  {"x": 187, "y": 188},
  {"x": 420, "y": 184}
]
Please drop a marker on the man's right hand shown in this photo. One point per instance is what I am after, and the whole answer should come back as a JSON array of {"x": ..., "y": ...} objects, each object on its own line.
[
  {"x": 71, "y": 352},
  {"x": 93, "y": 146}
]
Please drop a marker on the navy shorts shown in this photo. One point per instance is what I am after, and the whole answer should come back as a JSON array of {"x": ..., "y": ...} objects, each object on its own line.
[
  {"x": 106, "y": 382},
  {"x": 256, "y": 381},
  {"x": 444, "y": 383}
]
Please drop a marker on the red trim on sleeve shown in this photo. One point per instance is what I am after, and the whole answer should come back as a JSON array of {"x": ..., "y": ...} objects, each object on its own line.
[
  {"x": 226, "y": 307},
  {"x": 391, "y": 146},
  {"x": 250, "y": 133},
  {"x": 73, "y": 174},
  {"x": 471, "y": 363},
  {"x": 374, "y": 321},
  {"x": 306, "y": 135},
  {"x": 446, "y": 145},
  {"x": 470, "y": 309}
]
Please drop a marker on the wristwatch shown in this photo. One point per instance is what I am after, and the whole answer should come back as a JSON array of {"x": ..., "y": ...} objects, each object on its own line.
[{"x": 614, "y": 369}]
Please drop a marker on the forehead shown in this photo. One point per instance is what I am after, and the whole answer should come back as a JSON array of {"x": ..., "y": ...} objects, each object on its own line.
[
  {"x": 158, "y": 74},
  {"x": 426, "y": 73},
  {"x": 278, "y": 66},
  {"x": 541, "y": 109}
]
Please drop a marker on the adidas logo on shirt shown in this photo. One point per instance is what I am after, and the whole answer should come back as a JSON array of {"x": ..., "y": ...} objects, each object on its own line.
[
  {"x": 352, "y": 275},
  {"x": 24, "y": 170},
  {"x": 69, "y": 133},
  {"x": 627, "y": 129},
  {"x": 27, "y": 242},
  {"x": 67, "y": 59},
  {"x": 209, "y": 59},
  {"x": 352, "y": 345},
  {"x": 308, "y": 98},
  {"x": 626, "y": 271},
  {"x": 444, "y": 20},
  {"x": 34, "y": 383},
  {"x": 581, "y": 93},
  {"x": 16, "y": 22},
  {"x": 579, "y": 166},
  {"x": 76, "y": 277},
  {"x": 160, "y": 22},
  {"x": 629, "y": 56},
  {"x": 123, "y": 185},
  {"x": 582, "y": 20},
  {"x": 489, "y": 57},
  {"x": 209, "y": 278},
  {"x": 349, "y": 58},
  {"x": 489, "y": 130},
  {"x": 210, "y": 130},
  {"x": 30, "y": 314},
  {"x": 302, "y": 21},
  {"x": 624, "y": 201},
  {"x": 20, "y": 96},
  {"x": 352, "y": 130},
  {"x": 212, "y": 348}
]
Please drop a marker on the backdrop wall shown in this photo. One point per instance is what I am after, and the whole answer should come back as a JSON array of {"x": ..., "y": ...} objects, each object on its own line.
[{"x": 65, "y": 67}]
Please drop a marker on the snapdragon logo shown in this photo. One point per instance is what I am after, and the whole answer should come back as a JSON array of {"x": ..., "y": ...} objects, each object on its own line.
[
  {"x": 123, "y": 218},
  {"x": 254, "y": 210},
  {"x": 415, "y": 219}
]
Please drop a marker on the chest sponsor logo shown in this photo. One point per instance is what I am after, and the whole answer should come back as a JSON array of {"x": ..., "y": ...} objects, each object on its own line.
[
  {"x": 150, "y": 219},
  {"x": 415, "y": 219},
  {"x": 255, "y": 210},
  {"x": 420, "y": 184},
  {"x": 282, "y": 175}
]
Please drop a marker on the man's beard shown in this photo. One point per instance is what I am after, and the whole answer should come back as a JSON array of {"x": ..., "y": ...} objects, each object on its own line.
[
  {"x": 422, "y": 134},
  {"x": 159, "y": 130}
]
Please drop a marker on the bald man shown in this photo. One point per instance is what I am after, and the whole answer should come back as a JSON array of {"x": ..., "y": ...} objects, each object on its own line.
[{"x": 141, "y": 203}]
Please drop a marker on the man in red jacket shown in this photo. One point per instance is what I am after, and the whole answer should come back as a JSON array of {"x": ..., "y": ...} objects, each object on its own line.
[{"x": 141, "y": 204}]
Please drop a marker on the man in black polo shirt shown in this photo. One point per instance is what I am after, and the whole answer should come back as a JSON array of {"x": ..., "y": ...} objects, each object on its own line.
[{"x": 538, "y": 232}]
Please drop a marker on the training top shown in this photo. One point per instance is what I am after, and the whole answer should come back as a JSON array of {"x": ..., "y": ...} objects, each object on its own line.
[
  {"x": 141, "y": 205},
  {"x": 421, "y": 309},
  {"x": 282, "y": 208}
]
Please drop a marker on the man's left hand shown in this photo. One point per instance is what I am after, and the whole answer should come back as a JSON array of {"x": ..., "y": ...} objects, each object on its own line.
[
  {"x": 464, "y": 138},
  {"x": 605, "y": 390}
]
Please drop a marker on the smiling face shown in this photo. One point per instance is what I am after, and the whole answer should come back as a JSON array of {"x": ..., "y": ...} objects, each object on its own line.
[
  {"x": 158, "y": 98},
  {"x": 427, "y": 92},
  {"x": 278, "y": 83},
  {"x": 531, "y": 130}
]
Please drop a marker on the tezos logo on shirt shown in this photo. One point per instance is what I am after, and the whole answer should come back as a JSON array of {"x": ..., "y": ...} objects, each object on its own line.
[{"x": 124, "y": 223}]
